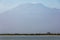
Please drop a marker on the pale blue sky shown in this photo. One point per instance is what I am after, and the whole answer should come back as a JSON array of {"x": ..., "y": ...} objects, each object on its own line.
[{"x": 9, "y": 4}]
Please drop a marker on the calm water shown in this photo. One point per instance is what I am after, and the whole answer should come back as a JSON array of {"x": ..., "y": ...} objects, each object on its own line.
[{"x": 29, "y": 37}]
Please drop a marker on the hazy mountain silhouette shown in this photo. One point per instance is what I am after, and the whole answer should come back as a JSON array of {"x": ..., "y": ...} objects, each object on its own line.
[
  {"x": 32, "y": 9},
  {"x": 30, "y": 18}
]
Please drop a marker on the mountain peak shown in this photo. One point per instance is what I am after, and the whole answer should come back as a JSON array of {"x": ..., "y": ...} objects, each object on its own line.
[{"x": 32, "y": 4}]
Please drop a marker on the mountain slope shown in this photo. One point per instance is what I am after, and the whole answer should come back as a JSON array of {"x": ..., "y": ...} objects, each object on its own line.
[{"x": 30, "y": 18}]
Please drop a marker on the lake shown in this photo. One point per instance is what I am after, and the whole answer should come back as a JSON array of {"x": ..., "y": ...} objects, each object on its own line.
[{"x": 29, "y": 37}]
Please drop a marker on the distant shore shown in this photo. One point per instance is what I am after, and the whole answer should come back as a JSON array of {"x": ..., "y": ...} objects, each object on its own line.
[{"x": 30, "y": 34}]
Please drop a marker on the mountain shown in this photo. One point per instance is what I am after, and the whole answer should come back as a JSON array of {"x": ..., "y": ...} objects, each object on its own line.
[{"x": 30, "y": 18}]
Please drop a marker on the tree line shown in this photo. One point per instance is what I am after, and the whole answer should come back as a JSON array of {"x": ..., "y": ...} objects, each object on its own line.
[{"x": 48, "y": 33}]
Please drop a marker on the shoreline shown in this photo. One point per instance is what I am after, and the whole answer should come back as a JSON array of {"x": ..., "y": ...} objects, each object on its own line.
[{"x": 29, "y": 35}]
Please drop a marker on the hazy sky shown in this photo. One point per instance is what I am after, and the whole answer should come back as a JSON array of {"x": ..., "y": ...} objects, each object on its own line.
[
  {"x": 42, "y": 21},
  {"x": 8, "y": 4}
]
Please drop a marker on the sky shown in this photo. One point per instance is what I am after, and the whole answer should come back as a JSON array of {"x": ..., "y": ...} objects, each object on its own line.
[
  {"x": 22, "y": 21},
  {"x": 9, "y": 4}
]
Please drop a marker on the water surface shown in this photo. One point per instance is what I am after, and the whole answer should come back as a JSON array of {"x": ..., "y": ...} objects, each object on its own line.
[{"x": 29, "y": 37}]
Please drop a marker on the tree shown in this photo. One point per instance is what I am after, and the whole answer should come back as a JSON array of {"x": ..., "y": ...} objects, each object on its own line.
[{"x": 48, "y": 33}]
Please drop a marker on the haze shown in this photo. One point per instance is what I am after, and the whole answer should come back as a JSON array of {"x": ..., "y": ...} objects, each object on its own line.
[{"x": 27, "y": 16}]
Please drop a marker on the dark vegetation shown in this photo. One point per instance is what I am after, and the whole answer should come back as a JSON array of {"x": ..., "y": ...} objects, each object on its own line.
[{"x": 48, "y": 33}]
